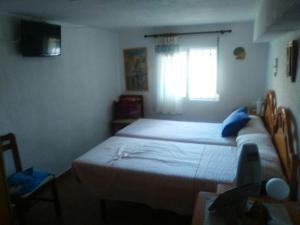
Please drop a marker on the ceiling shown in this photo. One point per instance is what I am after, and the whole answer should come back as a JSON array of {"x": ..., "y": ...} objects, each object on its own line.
[{"x": 120, "y": 14}]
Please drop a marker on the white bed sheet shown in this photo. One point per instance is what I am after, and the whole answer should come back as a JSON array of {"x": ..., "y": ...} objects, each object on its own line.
[
  {"x": 161, "y": 174},
  {"x": 190, "y": 132}
]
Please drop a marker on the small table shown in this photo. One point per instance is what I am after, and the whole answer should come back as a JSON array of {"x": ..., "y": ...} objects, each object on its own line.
[
  {"x": 117, "y": 125},
  {"x": 221, "y": 188},
  {"x": 252, "y": 111},
  {"x": 199, "y": 211}
]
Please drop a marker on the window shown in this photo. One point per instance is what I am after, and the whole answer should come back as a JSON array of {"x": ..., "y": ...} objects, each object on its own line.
[
  {"x": 196, "y": 74},
  {"x": 189, "y": 73},
  {"x": 202, "y": 74}
]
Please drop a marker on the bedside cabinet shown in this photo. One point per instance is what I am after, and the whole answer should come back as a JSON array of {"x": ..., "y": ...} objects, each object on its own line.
[
  {"x": 200, "y": 208},
  {"x": 221, "y": 188},
  {"x": 252, "y": 111},
  {"x": 117, "y": 125}
]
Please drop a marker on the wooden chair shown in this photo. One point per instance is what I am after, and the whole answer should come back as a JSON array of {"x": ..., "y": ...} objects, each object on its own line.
[
  {"x": 5, "y": 206},
  {"x": 23, "y": 202},
  {"x": 122, "y": 119}
]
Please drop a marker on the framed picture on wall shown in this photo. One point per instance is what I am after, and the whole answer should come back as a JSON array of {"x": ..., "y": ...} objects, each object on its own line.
[
  {"x": 292, "y": 59},
  {"x": 136, "y": 74}
]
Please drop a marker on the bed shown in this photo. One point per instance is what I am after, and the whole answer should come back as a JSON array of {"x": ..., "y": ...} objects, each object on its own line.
[
  {"x": 196, "y": 132},
  {"x": 180, "y": 131},
  {"x": 164, "y": 174},
  {"x": 168, "y": 175},
  {"x": 161, "y": 174}
]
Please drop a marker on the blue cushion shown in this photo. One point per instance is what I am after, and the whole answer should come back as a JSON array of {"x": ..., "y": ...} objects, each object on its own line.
[
  {"x": 241, "y": 109},
  {"x": 25, "y": 181},
  {"x": 234, "y": 122}
]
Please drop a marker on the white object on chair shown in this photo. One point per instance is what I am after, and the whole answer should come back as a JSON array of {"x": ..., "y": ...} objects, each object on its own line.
[{"x": 277, "y": 188}]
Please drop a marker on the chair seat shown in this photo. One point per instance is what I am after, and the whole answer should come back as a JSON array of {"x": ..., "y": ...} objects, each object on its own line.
[{"x": 44, "y": 182}]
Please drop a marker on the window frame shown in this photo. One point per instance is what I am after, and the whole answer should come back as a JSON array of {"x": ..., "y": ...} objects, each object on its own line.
[{"x": 187, "y": 97}]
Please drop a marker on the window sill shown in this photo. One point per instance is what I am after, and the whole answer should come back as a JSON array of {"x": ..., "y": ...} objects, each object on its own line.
[{"x": 214, "y": 99}]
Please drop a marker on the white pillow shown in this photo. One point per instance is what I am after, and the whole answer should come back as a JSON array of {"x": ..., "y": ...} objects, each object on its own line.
[
  {"x": 270, "y": 163},
  {"x": 257, "y": 138},
  {"x": 254, "y": 126}
]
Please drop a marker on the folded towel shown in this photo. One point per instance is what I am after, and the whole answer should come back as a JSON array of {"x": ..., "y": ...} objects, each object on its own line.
[{"x": 25, "y": 181}]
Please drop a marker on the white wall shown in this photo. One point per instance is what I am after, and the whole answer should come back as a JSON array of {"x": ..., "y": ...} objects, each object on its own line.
[
  {"x": 288, "y": 93},
  {"x": 58, "y": 107},
  {"x": 275, "y": 18},
  {"x": 240, "y": 82}
]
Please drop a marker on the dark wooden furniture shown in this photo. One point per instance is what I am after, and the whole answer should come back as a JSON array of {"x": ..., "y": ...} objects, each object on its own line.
[
  {"x": 284, "y": 143},
  {"x": 120, "y": 121},
  {"x": 269, "y": 111},
  {"x": 280, "y": 124},
  {"x": 277, "y": 121},
  {"x": 23, "y": 202},
  {"x": 200, "y": 212},
  {"x": 5, "y": 209}
]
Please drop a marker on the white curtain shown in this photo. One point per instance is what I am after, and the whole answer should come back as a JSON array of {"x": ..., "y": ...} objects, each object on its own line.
[
  {"x": 189, "y": 73},
  {"x": 171, "y": 75},
  {"x": 171, "y": 82}
]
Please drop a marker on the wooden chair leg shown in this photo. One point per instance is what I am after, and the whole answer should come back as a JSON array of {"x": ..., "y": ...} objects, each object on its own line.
[
  {"x": 19, "y": 206},
  {"x": 103, "y": 210},
  {"x": 56, "y": 200}
]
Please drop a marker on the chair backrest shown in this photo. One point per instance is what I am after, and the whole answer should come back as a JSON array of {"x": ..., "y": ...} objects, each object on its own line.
[
  {"x": 8, "y": 142},
  {"x": 120, "y": 110},
  {"x": 5, "y": 209}
]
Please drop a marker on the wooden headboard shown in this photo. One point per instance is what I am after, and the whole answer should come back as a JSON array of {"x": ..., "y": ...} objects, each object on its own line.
[
  {"x": 283, "y": 141},
  {"x": 269, "y": 111}
]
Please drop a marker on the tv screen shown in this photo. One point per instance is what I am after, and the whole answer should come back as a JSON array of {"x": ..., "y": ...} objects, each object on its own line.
[{"x": 40, "y": 39}]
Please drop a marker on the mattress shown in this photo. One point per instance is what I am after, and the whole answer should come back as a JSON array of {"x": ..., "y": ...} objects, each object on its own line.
[
  {"x": 190, "y": 132},
  {"x": 161, "y": 174}
]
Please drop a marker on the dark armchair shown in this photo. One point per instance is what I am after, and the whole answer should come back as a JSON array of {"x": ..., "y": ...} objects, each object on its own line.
[{"x": 126, "y": 110}]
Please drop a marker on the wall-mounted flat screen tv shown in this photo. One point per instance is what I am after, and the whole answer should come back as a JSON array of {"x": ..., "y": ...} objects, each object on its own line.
[{"x": 40, "y": 39}]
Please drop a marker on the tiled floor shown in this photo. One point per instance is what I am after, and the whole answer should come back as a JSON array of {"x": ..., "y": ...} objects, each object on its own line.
[{"x": 81, "y": 208}]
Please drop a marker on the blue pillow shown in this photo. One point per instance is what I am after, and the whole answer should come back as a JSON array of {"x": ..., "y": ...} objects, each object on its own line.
[
  {"x": 241, "y": 109},
  {"x": 234, "y": 122}
]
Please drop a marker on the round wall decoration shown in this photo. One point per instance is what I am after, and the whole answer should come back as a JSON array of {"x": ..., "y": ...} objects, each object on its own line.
[{"x": 239, "y": 53}]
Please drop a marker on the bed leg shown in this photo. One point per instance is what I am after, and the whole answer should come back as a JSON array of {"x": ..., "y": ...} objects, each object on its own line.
[{"x": 103, "y": 209}]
